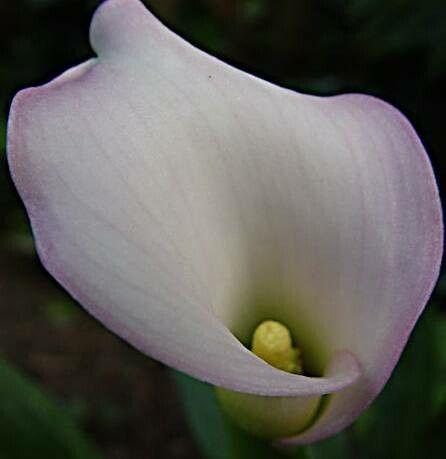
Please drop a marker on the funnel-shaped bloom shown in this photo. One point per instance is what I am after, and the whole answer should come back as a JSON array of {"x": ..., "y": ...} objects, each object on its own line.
[{"x": 183, "y": 201}]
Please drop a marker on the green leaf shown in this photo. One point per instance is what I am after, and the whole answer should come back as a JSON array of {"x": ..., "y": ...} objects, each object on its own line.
[
  {"x": 33, "y": 426},
  {"x": 203, "y": 416},
  {"x": 339, "y": 446}
]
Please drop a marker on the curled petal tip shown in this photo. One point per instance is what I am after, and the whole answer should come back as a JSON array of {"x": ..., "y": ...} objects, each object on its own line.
[{"x": 121, "y": 25}]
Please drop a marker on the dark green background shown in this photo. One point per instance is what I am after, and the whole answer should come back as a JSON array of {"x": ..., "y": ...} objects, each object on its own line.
[{"x": 102, "y": 391}]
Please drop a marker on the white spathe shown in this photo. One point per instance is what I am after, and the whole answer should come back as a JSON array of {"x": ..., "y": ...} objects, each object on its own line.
[{"x": 164, "y": 187}]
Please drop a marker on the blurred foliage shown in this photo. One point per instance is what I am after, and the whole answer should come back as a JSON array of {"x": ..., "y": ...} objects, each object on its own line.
[
  {"x": 33, "y": 426},
  {"x": 61, "y": 312},
  {"x": 390, "y": 48},
  {"x": 407, "y": 421}
]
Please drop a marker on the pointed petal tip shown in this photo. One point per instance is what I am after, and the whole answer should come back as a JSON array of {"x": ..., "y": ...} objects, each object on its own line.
[
  {"x": 120, "y": 24},
  {"x": 115, "y": 9}
]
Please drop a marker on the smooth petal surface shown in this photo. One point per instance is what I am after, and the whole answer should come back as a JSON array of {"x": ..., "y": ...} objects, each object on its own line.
[{"x": 167, "y": 191}]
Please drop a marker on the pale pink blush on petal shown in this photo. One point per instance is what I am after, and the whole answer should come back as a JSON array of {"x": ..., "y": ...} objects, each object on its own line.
[{"x": 161, "y": 184}]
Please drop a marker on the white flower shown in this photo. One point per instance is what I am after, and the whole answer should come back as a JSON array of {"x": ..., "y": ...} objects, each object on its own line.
[{"x": 183, "y": 201}]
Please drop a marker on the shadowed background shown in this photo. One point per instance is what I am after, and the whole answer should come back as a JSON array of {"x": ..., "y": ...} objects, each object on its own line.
[{"x": 60, "y": 367}]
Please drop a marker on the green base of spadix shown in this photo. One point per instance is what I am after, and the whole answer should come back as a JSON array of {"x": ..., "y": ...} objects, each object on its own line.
[{"x": 268, "y": 417}]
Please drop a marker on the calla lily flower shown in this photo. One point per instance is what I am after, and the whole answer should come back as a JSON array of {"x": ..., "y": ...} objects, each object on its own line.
[{"x": 182, "y": 202}]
